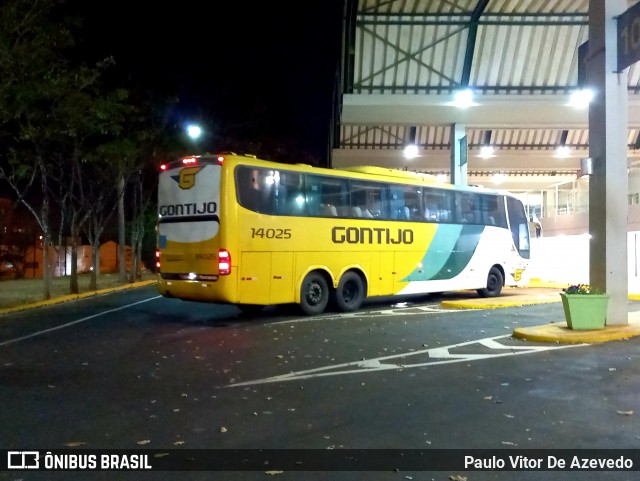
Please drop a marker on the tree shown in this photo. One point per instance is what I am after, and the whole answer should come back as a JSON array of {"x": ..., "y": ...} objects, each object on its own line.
[
  {"x": 31, "y": 69},
  {"x": 49, "y": 117},
  {"x": 155, "y": 142}
]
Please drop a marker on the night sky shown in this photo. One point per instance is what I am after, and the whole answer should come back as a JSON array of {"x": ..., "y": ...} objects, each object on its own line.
[{"x": 266, "y": 63}]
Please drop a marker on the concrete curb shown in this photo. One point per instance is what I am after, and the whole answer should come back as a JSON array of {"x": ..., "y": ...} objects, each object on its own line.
[
  {"x": 560, "y": 333},
  {"x": 555, "y": 332},
  {"x": 495, "y": 304},
  {"x": 73, "y": 297}
]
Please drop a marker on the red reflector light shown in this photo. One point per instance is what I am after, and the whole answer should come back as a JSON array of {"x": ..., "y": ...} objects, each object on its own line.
[
  {"x": 224, "y": 262},
  {"x": 189, "y": 160}
]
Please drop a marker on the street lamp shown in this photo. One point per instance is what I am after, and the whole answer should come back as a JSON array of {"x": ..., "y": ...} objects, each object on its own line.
[{"x": 194, "y": 131}]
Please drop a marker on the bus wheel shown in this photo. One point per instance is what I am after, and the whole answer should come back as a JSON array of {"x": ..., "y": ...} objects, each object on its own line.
[
  {"x": 350, "y": 292},
  {"x": 495, "y": 282},
  {"x": 314, "y": 294}
]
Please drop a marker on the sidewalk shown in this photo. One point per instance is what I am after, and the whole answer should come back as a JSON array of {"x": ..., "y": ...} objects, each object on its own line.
[{"x": 21, "y": 294}]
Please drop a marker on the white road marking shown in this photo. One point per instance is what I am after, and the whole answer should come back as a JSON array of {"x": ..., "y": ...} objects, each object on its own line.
[
  {"x": 436, "y": 356},
  {"x": 62, "y": 326},
  {"x": 402, "y": 311}
]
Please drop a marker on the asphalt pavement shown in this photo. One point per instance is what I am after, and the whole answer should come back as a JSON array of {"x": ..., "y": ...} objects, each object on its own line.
[
  {"x": 134, "y": 370},
  {"x": 549, "y": 330}
]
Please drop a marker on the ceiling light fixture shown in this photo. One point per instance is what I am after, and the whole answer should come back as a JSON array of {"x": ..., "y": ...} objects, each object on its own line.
[
  {"x": 486, "y": 151},
  {"x": 562, "y": 152},
  {"x": 463, "y": 98},
  {"x": 580, "y": 99},
  {"x": 410, "y": 151}
]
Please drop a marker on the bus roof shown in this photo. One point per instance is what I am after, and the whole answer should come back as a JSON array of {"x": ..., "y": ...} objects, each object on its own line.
[
  {"x": 404, "y": 174},
  {"x": 368, "y": 171}
]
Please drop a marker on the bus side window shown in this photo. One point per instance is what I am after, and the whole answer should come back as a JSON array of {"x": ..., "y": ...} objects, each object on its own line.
[
  {"x": 291, "y": 200},
  {"x": 253, "y": 191},
  {"x": 493, "y": 210},
  {"x": 468, "y": 208},
  {"x": 396, "y": 203},
  {"x": 312, "y": 195},
  {"x": 412, "y": 202},
  {"x": 378, "y": 201},
  {"x": 358, "y": 198},
  {"x": 438, "y": 203},
  {"x": 334, "y": 197}
]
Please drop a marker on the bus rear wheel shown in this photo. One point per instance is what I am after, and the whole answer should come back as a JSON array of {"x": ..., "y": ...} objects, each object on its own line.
[
  {"x": 350, "y": 292},
  {"x": 495, "y": 281},
  {"x": 314, "y": 294}
]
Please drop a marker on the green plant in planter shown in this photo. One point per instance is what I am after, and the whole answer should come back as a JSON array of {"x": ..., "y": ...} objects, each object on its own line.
[
  {"x": 584, "y": 307},
  {"x": 584, "y": 289}
]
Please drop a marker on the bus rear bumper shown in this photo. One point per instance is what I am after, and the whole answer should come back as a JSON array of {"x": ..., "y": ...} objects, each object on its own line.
[{"x": 194, "y": 290}]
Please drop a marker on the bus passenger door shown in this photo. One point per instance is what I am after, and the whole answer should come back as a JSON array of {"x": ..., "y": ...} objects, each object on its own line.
[
  {"x": 254, "y": 277},
  {"x": 384, "y": 275},
  {"x": 281, "y": 278}
]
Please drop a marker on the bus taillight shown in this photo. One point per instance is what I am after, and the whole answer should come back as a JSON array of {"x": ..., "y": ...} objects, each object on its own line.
[
  {"x": 224, "y": 262},
  {"x": 158, "y": 259}
]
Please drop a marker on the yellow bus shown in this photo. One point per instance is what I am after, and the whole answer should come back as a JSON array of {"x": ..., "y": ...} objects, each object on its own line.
[{"x": 236, "y": 229}]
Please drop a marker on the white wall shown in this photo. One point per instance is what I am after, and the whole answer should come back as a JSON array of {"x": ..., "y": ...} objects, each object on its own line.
[{"x": 564, "y": 259}]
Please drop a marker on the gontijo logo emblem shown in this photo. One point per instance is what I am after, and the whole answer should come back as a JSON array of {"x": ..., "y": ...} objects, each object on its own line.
[{"x": 187, "y": 177}]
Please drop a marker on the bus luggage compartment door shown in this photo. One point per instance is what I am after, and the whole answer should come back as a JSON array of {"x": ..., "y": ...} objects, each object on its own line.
[
  {"x": 281, "y": 278},
  {"x": 266, "y": 278},
  {"x": 254, "y": 283}
]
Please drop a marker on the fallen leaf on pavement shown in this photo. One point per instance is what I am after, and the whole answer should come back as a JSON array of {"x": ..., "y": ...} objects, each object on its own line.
[
  {"x": 457, "y": 477},
  {"x": 74, "y": 444}
]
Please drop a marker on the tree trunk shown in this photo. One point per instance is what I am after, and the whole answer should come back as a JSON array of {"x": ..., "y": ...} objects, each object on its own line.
[
  {"x": 134, "y": 243},
  {"x": 46, "y": 268},
  {"x": 95, "y": 265},
  {"x": 139, "y": 256},
  {"x": 73, "y": 280},
  {"x": 121, "y": 231},
  {"x": 46, "y": 232}
]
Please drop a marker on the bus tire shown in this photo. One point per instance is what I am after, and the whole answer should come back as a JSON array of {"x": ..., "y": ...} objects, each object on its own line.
[
  {"x": 495, "y": 281},
  {"x": 350, "y": 292},
  {"x": 314, "y": 294}
]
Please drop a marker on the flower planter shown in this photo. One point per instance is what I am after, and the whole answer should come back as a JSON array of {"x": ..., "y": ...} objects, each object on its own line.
[{"x": 585, "y": 311}]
